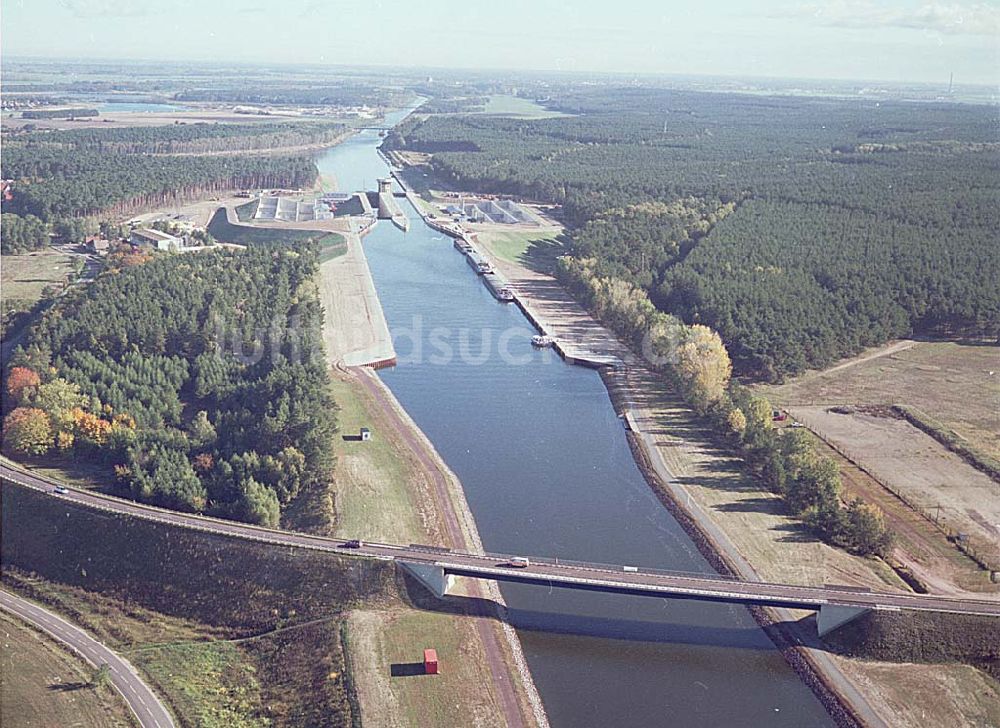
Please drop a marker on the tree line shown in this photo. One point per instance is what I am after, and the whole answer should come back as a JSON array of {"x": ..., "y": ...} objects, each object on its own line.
[
  {"x": 198, "y": 138},
  {"x": 695, "y": 361},
  {"x": 792, "y": 285},
  {"x": 22, "y": 234},
  {"x": 846, "y": 222},
  {"x": 345, "y": 94},
  {"x": 51, "y": 182},
  {"x": 57, "y": 113},
  {"x": 199, "y": 379}
]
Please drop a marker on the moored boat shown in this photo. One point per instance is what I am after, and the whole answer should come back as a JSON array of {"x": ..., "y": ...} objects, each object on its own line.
[
  {"x": 498, "y": 287},
  {"x": 477, "y": 263}
]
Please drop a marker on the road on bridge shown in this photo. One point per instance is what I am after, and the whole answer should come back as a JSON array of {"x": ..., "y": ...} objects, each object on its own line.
[
  {"x": 139, "y": 696},
  {"x": 547, "y": 572}
]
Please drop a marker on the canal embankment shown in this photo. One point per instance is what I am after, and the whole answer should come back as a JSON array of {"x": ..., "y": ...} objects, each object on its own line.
[
  {"x": 355, "y": 332},
  {"x": 397, "y": 488},
  {"x": 637, "y": 394},
  {"x": 394, "y": 487},
  {"x": 519, "y": 698},
  {"x": 547, "y": 470},
  {"x": 739, "y": 527}
]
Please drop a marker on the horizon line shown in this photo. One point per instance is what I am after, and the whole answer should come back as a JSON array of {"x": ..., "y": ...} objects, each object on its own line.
[{"x": 994, "y": 87}]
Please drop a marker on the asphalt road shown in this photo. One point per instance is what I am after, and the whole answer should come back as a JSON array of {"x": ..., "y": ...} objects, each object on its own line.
[
  {"x": 596, "y": 577},
  {"x": 140, "y": 698}
]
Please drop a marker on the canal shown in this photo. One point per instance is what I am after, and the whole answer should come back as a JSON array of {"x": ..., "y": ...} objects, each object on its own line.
[{"x": 547, "y": 470}]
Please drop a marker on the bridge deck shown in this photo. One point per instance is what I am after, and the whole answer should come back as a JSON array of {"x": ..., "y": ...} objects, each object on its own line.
[{"x": 549, "y": 572}]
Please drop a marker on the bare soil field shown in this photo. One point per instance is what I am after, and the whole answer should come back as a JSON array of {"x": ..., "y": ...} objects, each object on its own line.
[
  {"x": 43, "y": 685},
  {"x": 929, "y": 477},
  {"x": 779, "y": 548},
  {"x": 922, "y": 549},
  {"x": 956, "y": 383},
  {"x": 198, "y": 213}
]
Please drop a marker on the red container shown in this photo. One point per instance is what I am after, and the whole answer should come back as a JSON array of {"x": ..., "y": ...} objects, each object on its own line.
[{"x": 430, "y": 662}]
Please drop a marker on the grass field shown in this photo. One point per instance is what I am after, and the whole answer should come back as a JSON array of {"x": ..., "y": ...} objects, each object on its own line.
[
  {"x": 925, "y": 695},
  {"x": 303, "y": 674},
  {"x": 23, "y": 277},
  {"x": 376, "y": 488},
  {"x": 207, "y": 679},
  {"x": 327, "y": 183},
  {"x": 427, "y": 206},
  {"x": 331, "y": 248},
  {"x": 41, "y": 684},
  {"x": 388, "y": 642},
  {"x": 957, "y": 384},
  {"x": 527, "y": 248},
  {"x": 209, "y": 683},
  {"x": 76, "y": 472},
  {"x": 521, "y": 108},
  {"x": 167, "y": 598}
]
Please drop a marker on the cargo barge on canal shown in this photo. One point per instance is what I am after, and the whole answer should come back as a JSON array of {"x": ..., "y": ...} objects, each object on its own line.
[
  {"x": 498, "y": 287},
  {"x": 477, "y": 263}
]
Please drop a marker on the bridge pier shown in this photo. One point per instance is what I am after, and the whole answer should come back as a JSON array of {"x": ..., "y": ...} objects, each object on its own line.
[
  {"x": 832, "y": 616},
  {"x": 432, "y": 577}
]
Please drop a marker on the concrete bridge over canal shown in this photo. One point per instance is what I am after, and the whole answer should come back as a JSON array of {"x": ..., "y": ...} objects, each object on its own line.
[{"x": 437, "y": 568}]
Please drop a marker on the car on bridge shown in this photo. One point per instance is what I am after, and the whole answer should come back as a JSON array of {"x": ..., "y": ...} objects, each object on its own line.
[
  {"x": 518, "y": 562},
  {"x": 354, "y": 543}
]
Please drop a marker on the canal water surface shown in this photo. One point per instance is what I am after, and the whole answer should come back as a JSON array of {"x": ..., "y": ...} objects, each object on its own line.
[{"x": 547, "y": 471}]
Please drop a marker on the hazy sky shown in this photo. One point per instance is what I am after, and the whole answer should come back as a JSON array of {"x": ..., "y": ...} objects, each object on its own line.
[{"x": 849, "y": 39}]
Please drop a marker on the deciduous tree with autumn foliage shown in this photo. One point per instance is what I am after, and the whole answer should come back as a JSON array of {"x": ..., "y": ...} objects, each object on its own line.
[
  {"x": 145, "y": 370},
  {"x": 27, "y": 431},
  {"x": 21, "y": 382}
]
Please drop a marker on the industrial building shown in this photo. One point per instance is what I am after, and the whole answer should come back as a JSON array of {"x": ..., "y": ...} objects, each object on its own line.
[{"x": 156, "y": 239}]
